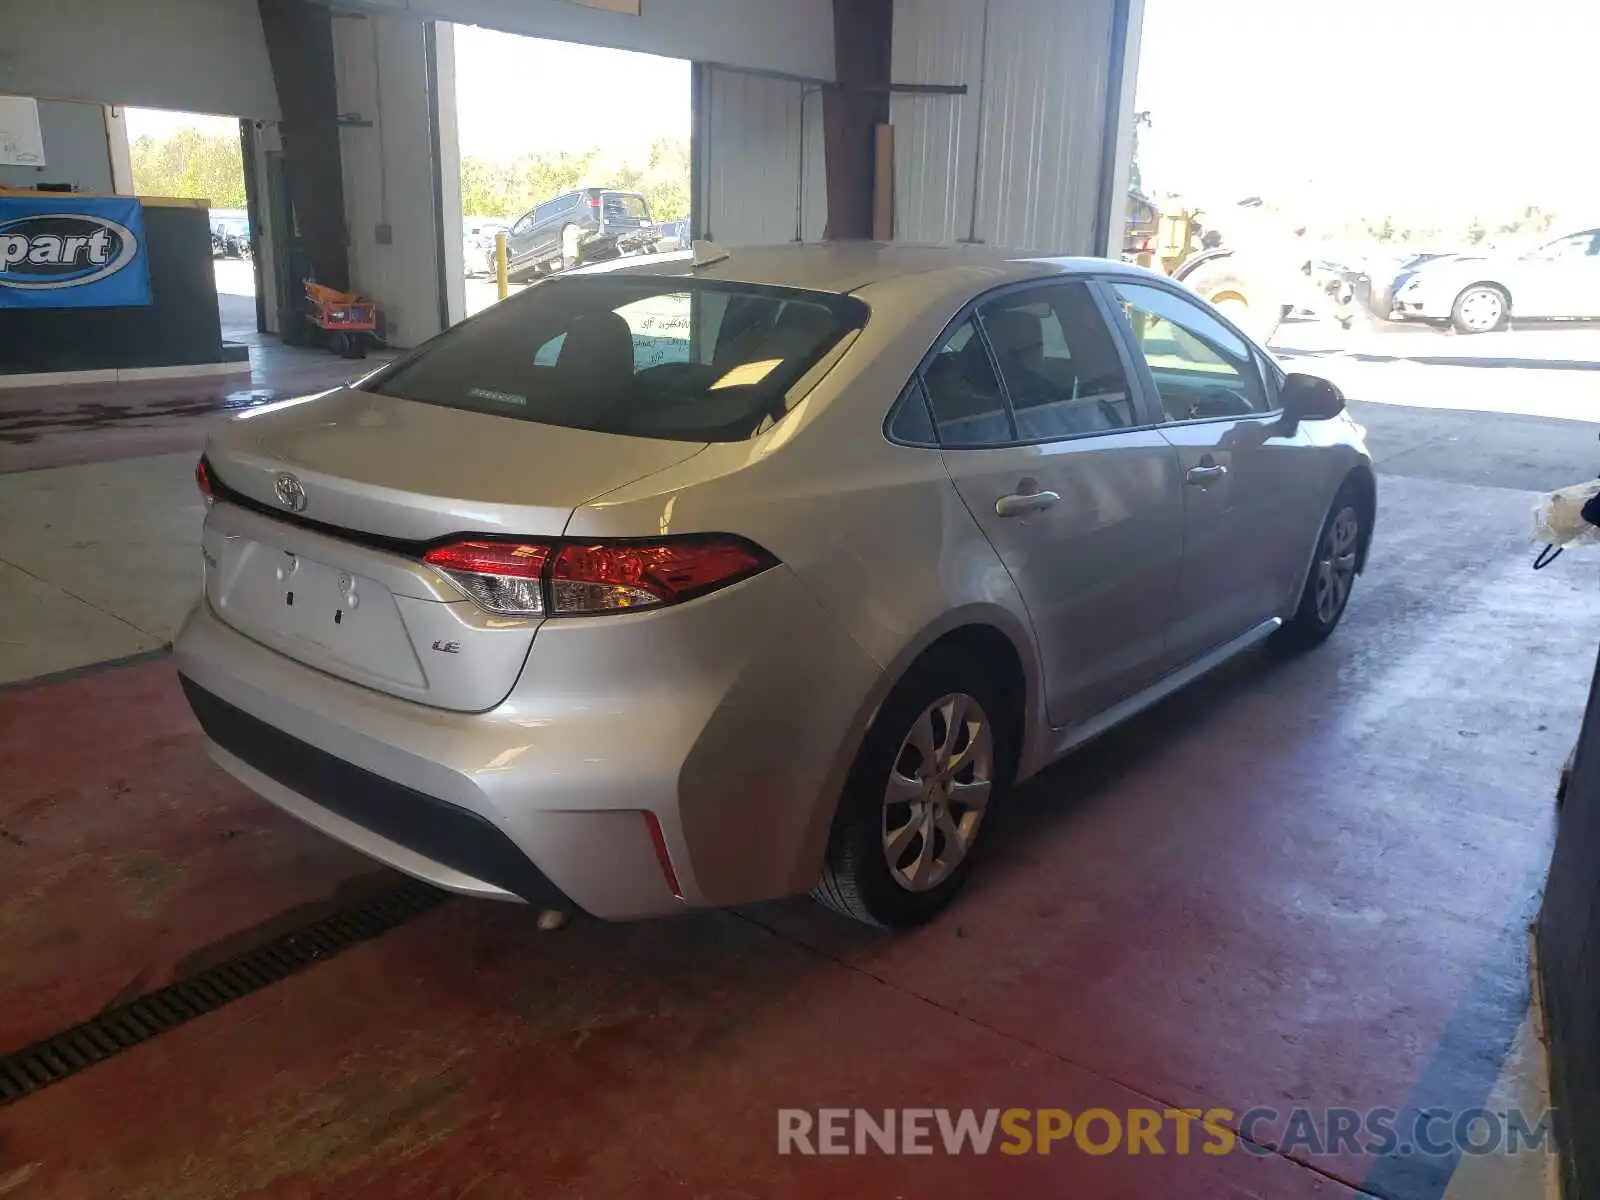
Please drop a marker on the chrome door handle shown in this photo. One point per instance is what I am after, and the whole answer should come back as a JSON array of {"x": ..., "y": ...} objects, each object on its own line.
[
  {"x": 1200, "y": 476},
  {"x": 1021, "y": 503}
]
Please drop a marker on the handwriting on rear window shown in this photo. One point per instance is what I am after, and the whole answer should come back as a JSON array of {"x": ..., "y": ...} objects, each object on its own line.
[{"x": 494, "y": 397}]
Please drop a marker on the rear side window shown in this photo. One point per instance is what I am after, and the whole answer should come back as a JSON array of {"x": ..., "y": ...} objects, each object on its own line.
[
  {"x": 912, "y": 424},
  {"x": 1059, "y": 363},
  {"x": 661, "y": 357},
  {"x": 968, "y": 406}
]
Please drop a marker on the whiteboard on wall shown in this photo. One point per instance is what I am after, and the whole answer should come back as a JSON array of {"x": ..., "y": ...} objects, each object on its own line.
[{"x": 21, "y": 142}]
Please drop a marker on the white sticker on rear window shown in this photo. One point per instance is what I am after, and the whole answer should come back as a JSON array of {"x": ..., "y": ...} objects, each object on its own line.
[{"x": 498, "y": 397}]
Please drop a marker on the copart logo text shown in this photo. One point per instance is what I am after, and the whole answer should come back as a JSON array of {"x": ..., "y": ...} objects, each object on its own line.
[{"x": 62, "y": 250}]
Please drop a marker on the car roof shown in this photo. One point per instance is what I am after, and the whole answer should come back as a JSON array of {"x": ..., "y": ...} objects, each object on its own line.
[{"x": 848, "y": 266}]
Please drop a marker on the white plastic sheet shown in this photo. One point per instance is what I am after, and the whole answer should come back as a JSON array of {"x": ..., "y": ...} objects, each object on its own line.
[{"x": 1558, "y": 517}]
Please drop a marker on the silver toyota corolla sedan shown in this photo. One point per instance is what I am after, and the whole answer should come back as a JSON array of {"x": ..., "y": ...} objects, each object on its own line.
[{"x": 732, "y": 575}]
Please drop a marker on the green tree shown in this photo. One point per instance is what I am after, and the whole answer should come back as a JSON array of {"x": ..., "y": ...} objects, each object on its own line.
[
  {"x": 190, "y": 164},
  {"x": 1531, "y": 221}
]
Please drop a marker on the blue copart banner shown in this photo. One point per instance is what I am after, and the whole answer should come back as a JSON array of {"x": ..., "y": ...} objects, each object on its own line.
[{"x": 72, "y": 252}]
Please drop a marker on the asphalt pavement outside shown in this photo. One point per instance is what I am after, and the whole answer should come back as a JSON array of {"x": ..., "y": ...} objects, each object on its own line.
[{"x": 1519, "y": 409}]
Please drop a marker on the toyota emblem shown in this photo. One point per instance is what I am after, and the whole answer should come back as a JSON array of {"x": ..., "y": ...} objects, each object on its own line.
[{"x": 291, "y": 492}]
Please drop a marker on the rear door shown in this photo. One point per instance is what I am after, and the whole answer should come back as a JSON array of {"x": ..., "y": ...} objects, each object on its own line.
[
  {"x": 1057, "y": 461},
  {"x": 549, "y": 217},
  {"x": 1249, "y": 496}
]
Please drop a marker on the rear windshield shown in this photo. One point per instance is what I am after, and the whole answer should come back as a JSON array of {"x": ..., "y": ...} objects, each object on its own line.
[
  {"x": 625, "y": 204},
  {"x": 644, "y": 356}
]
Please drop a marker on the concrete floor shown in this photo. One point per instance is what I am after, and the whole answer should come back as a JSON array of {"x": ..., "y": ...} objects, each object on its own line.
[{"x": 1303, "y": 883}]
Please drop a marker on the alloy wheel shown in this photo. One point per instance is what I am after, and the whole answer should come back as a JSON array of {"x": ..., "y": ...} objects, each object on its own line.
[
  {"x": 1336, "y": 564},
  {"x": 937, "y": 792},
  {"x": 1483, "y": 310}
]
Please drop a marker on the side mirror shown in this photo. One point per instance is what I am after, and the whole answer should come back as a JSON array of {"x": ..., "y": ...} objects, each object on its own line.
[{"x": 1310, "y": 398}]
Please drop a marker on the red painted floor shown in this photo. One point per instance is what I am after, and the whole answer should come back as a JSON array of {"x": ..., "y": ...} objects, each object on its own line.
[{"x": 1284, "y": 887}]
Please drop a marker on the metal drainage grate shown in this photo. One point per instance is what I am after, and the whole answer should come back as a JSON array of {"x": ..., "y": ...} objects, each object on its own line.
[{"x": 36, "y": 1067}]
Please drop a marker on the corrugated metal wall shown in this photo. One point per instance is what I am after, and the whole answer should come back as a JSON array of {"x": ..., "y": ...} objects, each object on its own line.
[
  {"x": 762, "y": 176},
  {"x": 1030, "y": 128}
]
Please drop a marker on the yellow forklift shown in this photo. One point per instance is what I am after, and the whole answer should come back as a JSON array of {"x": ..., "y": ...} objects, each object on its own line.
[{"x": 1247, "y": 273}]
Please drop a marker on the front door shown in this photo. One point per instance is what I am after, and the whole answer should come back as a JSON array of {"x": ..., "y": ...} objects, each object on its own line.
[
  {"x": 1245, "y": 504},
  {"x": 1049, "y": 448},
  {"x": 1559, "y": 280},
  {"x": 520, "y": 241}
]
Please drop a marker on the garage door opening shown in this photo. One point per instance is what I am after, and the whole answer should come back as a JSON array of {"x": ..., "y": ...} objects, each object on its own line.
[
  {"x": 1409, "y": 213},
  {"x": 576, "y": 153},
  {"x": 199, "y": 156}
]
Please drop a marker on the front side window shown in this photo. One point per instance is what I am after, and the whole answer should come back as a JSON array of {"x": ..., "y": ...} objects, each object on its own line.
[
  {"x": 1059, "y": 362},
  {"x": 968, "y": 406},
  {"x": 1202, "y": 369},
  {"x": 643, "y": 356}
]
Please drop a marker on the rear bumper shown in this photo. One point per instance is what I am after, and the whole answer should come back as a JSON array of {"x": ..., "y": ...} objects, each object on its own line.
[
  {"x": 457, "y": 839},
  {"x": 725, "y": 723}
]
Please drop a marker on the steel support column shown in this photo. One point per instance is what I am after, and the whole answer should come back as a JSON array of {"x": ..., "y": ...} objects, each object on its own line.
[
  {"x": 299, "y": 37},
  {"x": 862, "y": 37}
]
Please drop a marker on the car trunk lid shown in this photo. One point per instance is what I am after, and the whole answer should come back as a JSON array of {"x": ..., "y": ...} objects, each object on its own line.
[{"x": 327, "y": 505}]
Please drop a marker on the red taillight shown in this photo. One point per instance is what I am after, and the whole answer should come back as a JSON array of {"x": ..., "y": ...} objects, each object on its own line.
[
  {"x": 202, "y": 480},
  {"x": 594, "y": 201},
  {"x": 603, "y": 577},
  {"x": 584, "y": 578},
  {"x": 503, "y": 577}
]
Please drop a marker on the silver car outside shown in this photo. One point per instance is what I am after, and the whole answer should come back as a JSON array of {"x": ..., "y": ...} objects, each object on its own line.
[
  {"x": 927, "y": 625},
  {"x": 1557, "y": 281}
]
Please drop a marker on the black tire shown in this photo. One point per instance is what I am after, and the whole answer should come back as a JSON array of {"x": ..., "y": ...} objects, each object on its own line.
[
  {"x": 1466, "y": 313},
  {"x": 1250, "y": 305},
  {"x": 1313, "y": 619},
  {"x": 857, "y": 880}
]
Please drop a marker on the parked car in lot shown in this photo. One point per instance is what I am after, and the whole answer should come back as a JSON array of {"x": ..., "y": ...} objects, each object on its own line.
[
  {"x": 1369, "y": 281},
  {"x": 230, "y": 235},
  {"x": 585, "y": 226},
  {"x": 477, "y": 244},
  {"x": 1479, "y": 294},
  {"x": 702, "y": 579}
]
